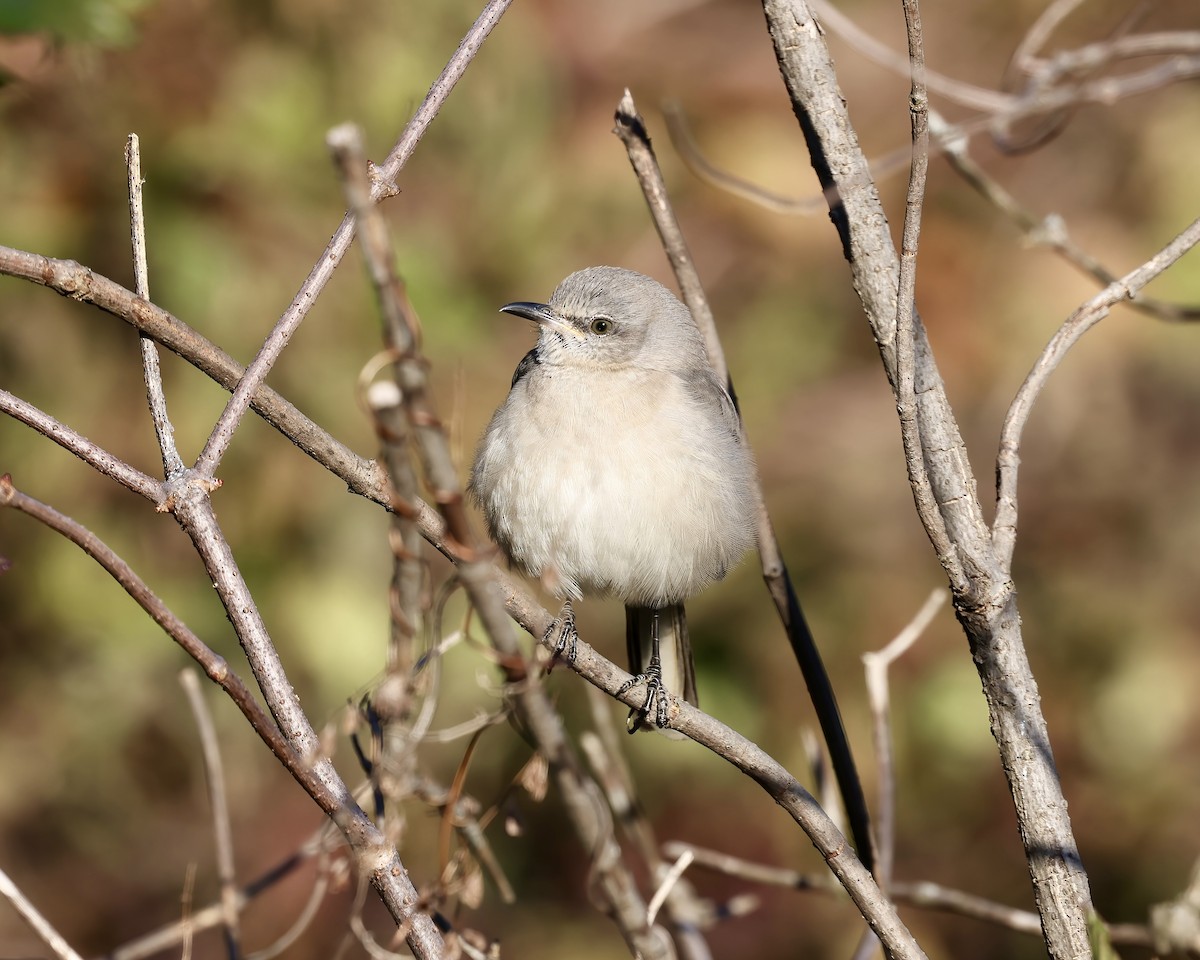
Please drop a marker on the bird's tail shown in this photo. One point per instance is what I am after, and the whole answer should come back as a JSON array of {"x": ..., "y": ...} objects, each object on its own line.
[{"x": 675, "y": 648}]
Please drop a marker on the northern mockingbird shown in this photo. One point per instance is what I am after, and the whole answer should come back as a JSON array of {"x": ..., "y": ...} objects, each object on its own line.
[{"x": 616, "y": 466}]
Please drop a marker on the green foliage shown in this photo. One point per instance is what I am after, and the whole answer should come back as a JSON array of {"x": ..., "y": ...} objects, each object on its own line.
[{"x": 104, "y": 23}]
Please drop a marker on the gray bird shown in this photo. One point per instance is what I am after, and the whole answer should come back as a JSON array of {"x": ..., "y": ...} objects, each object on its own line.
[{"x": 616, "y": 466}]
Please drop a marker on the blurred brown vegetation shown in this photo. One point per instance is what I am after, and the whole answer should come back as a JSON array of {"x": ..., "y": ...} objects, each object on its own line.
[{"x": 518, "y": 182}]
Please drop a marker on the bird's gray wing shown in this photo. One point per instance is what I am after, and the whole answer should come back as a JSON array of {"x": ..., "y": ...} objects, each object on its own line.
[
  {"x": 710, "y": 394},
  {"x": 528, "y": 362}
]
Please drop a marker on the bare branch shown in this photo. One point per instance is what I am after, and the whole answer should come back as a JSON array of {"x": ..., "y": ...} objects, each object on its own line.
[
  {"x": 1049, "y": 231},
  {"x": 1074, "y": 327},
  {"x": 983, "y": 594},
  {"x": 296, "y": 744},
  {"x": 214, "y": 770},
  {"x": 256, "y": 373},
  {"x": 930, "y": 896},
  {"x": 966, "y": 94},
  {"x": 77, "y": 282},
  {"x": 215, "y": 666},
  {"x": 906, "y": 401},
  {"x": 93, "y": 455},
  {"x": 707, "y": 171},
  {"x": 151, "y": 370},
  {"x": 39, "y": 924},
  {"x": 877, "y": 664},
  {"x": 631, "y": 128}
]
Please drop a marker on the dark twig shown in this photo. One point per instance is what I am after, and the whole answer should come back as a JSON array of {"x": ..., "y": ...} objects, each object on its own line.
[
  {"x": 197, "y": 921},
  {"x": 631, "y": 128},
  {"x": 214, "y": 770}
]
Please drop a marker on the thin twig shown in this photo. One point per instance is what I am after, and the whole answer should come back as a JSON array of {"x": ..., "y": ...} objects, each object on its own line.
[
  {"x": 707, "y": 171},
  {"x": 1049, "y": 231},
  {"x": 1074, "y": 327},
  {"x": 906, "y": 401},
  {"x": 877, "y": 664},
  {"x": 966, "y": 94},
  {"x": 214, "y": 665},
  {"x": 668, "y": 882},
  {"x": 631, "y": 128},
  {"x": 924, "y": 894},
  {"x": 77, "y": 282},
  {"x": 90, "y": 453},
  {"x": 173, "y": 934},
  {"x": 603, "y": 746},
  {"x": 375, "y": 857},
  {"x": 39, "y": 924},
  {"x": 222, "y": 434},
  {"x": 214, "y": 770},
  {"x": 151, "y": 370}
]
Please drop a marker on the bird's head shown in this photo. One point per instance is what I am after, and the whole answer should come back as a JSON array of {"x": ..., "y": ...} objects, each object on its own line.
[{"x": 608, "y": 317}]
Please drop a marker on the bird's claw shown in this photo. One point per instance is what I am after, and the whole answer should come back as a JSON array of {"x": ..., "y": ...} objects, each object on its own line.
[
  {"x": 655, "y": 704},
  {"x": 562, "y": 635}
]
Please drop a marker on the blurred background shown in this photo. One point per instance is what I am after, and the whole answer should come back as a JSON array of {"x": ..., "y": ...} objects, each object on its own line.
[{"x": 518, "y": 182}]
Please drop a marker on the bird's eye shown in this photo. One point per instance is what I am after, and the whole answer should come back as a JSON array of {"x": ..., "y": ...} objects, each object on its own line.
[{"x": 601, "y": 326}]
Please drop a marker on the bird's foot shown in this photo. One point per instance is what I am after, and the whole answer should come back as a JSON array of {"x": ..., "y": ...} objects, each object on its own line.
[
  {"x": 654, "y": 707},
  {"x": 562, "y": 635}
]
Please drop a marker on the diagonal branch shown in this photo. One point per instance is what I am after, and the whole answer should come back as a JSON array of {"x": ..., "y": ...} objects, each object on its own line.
[{"x": 256, "y": 373}]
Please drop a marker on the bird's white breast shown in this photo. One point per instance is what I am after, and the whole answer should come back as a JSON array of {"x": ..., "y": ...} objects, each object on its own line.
[{"x": 617, "y": 496}]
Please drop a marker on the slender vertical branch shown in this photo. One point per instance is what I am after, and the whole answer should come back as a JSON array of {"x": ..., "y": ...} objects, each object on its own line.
[
  {"x": 214, "y": 770},
  {"x": 631, "y": 128},
  {"x": 906, "y": 401},
  {"x": 877, "y": 664},
  {"x": 151, "y": 371}
]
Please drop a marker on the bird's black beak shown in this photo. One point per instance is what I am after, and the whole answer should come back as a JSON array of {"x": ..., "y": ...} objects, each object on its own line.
[{"x": 541, "y": 314}]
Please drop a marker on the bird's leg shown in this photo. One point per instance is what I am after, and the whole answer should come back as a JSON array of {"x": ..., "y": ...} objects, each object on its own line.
[
  {"x": 656, "y": 692},
  {"x": 563, "y": 633}
]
